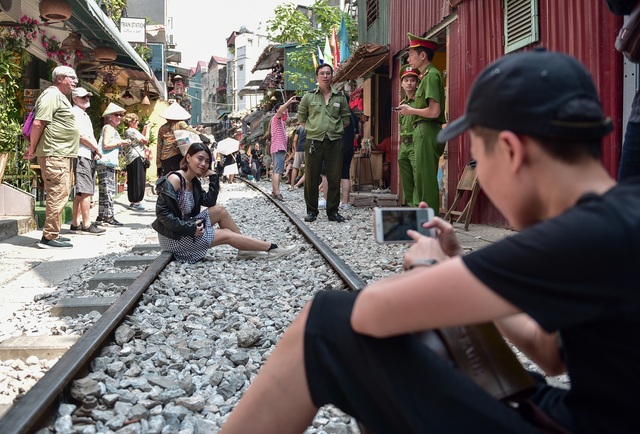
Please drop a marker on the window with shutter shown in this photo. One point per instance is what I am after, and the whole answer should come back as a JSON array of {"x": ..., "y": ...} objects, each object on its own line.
[
  {"x": 520, "y": 24},
  {"x": 372, "y": 12}
]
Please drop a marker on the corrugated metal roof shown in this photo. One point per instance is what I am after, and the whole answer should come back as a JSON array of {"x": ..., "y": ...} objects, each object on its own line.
[{"x": 363, "y": 61}]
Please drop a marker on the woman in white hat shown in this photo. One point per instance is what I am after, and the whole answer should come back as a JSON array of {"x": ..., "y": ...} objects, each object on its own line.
[
  {"x": 110, "y": 142},
  {"x": 168, "y": 155}
]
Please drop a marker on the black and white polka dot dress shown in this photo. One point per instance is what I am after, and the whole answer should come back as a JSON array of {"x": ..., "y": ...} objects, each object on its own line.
[{"x": 187, "y": 248}]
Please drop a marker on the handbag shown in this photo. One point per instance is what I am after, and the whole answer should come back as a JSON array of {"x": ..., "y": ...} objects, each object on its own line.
[
  {"x": 28, "y": 125},
  {"x": 109, "y": 158},
  {"x": 480, "y": 352},
  {"x": 145, "y": 160},
  {"x": 628, "y": 40}
]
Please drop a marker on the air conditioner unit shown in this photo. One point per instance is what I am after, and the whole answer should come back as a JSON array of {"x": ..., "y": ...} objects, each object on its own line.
[{"x": 11, "y": 9}]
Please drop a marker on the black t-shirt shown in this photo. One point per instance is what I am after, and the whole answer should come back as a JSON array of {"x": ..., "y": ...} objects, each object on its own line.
[{"x": 578, "y": 274}]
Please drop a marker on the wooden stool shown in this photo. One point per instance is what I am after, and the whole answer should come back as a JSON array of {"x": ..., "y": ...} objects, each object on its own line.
[
  {"x": 468, "y": 182},
  {"x": 359, "y": 159}
]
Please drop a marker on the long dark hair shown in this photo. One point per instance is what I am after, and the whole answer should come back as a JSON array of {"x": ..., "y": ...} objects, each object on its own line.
[{"x": 194, "y": 149}]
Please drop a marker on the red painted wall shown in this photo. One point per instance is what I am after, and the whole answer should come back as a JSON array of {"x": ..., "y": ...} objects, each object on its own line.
[{"x": 582, "y": 28}]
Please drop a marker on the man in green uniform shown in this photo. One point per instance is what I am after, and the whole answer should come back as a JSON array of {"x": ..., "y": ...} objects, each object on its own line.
[
  {"x": 323, "y": 113},
  {"x": 406, "y": 154},
  {"x": 429, "y": 111}
]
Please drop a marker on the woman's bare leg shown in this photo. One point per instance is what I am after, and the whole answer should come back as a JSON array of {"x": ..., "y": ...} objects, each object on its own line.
[
  {"x": 239, "y": 241},
  {"x": 219, "y": 215},
  {"x": 278, "y": 401},
  {"x": 345, "y": 186}
]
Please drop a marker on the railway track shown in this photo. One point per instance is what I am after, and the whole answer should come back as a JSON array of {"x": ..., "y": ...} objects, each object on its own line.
[
  {"x": 38, "y": 408},
  {"x": 183, "y": 353}
]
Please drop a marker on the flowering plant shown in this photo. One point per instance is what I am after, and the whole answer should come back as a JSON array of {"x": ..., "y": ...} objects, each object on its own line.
[
  {"x": 20, "y": 36},
  {"x": 54, "y": 50}
]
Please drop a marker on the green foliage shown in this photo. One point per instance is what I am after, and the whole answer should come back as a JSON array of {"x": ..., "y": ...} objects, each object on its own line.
[
  {"x": 291, "y": 26},
  {"x": 10, "y": 110},
  {"x": 114, "y": 8},
  {"x": 144, "y": 51}
]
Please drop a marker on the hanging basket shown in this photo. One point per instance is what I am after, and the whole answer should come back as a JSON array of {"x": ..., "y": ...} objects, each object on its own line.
[
  {"x": 104, "y": 53},
  {"x": 55, "y": 10}
]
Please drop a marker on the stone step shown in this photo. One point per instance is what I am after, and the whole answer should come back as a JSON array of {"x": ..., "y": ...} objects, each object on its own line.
[
  {"x": 43, "y": 347},
  {"x": 119, "y": 279},
  {"x": 81, "y": 306},
  {"x": 134, "y": 261},
  {"x": 11, "y": 226}
]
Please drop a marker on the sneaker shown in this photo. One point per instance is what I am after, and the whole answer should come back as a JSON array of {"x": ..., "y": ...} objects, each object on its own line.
[
  {"x": 54, "y": 244},
  {"x": 345, "y": 206},
  {"x": 277, "y": 196},
  {"x": 250, "y": 254},
  {"x": 112, "y": 221},
  {"x": 280, "y": 252},
  {"x": 92, "y": 230},
  {"x": 100, "y": 220},
  {"x": 137, "y": 206},
  {"x": 75, "y": 229},
  {"x": 322, "y": 204},
  {"x": 63, "y": 239},
  {"x": 335, "y": 217}
]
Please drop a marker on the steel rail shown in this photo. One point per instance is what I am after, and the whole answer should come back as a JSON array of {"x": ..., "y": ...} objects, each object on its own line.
[
  {"x": 353, "y": 281},
  {"x": 31, "y": 410}
]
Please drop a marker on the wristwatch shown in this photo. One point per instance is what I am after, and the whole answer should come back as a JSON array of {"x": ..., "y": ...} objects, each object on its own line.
[{"x": 423, "y": 263}]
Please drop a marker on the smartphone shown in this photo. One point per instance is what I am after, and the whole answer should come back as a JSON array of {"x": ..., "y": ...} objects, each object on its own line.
[
  {"x": 396, "y": 108},
  {"x": 391, "y": 224},
  {"x": 297, "y": 98}
]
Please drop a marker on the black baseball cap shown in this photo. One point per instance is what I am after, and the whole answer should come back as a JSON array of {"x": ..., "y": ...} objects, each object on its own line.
[{"x": 523, "y": 92}]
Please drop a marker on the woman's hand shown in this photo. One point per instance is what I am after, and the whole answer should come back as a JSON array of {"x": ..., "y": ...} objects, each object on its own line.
[{"x": 199, "y": 227}]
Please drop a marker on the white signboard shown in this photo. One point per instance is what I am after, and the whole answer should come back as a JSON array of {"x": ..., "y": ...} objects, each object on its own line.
[{"x": 133, "y": 29}]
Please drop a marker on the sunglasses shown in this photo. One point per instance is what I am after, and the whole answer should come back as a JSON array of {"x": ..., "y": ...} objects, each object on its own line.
[
  {"x": 84, "y": 97},
  {"x": 118, "y": 115}
]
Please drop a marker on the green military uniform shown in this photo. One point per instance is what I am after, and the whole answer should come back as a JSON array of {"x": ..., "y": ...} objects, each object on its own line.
[
  {"x": 426, "y": 147},
  {"x": 406, "y": 154}
]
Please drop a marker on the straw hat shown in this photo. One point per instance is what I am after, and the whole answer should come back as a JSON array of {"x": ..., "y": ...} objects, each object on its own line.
[
  {"x": 113, "y": 108},
  {"x": 175, "y": 112}
]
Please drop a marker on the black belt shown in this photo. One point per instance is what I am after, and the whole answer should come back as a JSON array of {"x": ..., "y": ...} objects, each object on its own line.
[{"x": 421, "y": 121}]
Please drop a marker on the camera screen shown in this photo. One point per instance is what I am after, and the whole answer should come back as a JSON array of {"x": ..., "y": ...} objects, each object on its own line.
[{"x": 395, "y": 224}]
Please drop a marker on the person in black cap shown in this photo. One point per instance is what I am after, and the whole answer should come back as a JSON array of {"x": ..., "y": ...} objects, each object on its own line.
[{"x": 557, "y": 289}]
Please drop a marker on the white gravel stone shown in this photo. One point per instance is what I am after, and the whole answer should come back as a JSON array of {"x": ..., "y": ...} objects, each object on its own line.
[{"x": 201, "y": 332}]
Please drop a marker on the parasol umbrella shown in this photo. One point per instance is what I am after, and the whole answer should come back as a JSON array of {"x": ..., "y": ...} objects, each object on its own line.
[{"x": 228, "y": 146}]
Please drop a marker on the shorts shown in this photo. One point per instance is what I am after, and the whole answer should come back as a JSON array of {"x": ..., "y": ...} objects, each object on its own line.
[
  {"x": 278, "y": 162},
  {"x": 84, "y": 170},
  {"x": 298, "y": 159},
  {"x": 395, "y": 384},
  {"x": 347, "y": 156}
]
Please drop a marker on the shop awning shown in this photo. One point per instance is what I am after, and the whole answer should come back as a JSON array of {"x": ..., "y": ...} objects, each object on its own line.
[
  {"x": 363, "y": 61},
  {"x": 251, "y": 88},
  {"x": 269, "y": 57},
  {"x": 95, "y": 26}
]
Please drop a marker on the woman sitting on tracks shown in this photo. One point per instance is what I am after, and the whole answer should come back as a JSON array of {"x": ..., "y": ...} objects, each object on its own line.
[{"x": 186, "y": 231}]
